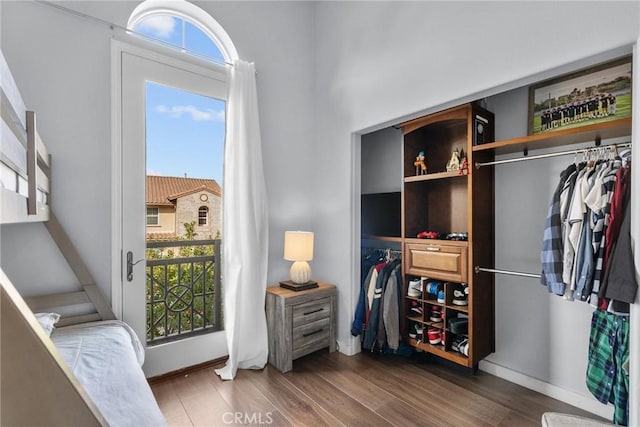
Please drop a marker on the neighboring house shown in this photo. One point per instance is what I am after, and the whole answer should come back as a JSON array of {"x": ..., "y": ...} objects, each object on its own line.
[{"x": 173, "y": 201}]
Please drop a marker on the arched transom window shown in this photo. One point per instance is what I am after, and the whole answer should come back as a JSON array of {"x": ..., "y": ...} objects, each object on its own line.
[{"x": 183, "y": 26}]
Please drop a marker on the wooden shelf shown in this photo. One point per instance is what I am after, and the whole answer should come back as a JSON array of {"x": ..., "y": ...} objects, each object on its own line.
[
  {"x": 461, "y": 243},
  {"x": 439, "y": 350},
  {"x": 606, "y": 130},
  {"x": 460, "y": 308},
  {"x": 382, "y": 238},
  {"x": 437, "y": 175}
]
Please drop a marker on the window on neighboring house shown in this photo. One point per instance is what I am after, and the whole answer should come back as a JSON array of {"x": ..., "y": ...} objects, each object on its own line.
[
  {"x": 203, "y": 215},
  {"x": 153, "y": 216}
]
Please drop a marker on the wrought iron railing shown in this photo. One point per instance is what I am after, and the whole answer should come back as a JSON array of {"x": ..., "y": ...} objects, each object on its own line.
[{"x": 184, "y": 289}]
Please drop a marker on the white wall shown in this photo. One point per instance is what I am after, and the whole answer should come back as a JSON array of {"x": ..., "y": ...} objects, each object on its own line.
[
  {"x": 61, "y": 63},
  {"x": 380, "y": 63}
]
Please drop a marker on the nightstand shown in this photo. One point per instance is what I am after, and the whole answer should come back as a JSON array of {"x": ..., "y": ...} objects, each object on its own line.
[{"x": 299, "y": 323}]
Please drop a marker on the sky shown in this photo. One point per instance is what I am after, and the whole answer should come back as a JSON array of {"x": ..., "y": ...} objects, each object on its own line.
[{"x": 185, "y": 131}]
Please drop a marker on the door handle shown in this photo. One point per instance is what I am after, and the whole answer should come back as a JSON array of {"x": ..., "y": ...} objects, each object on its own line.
[{"x": 130, "y": 265}]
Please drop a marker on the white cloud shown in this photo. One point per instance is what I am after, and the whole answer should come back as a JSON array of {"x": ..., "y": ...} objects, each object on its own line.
[
  {"x": 158, "y": 26},
  {"x": 177, "y": 111}
]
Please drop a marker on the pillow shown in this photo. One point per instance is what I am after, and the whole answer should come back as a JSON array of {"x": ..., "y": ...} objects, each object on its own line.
[{"x": 47, "y": 321}]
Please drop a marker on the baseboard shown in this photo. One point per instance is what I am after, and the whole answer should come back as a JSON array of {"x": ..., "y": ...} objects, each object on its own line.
[
  {"x": 219, "y": 362},
  {"x": 586, "y": 403}
]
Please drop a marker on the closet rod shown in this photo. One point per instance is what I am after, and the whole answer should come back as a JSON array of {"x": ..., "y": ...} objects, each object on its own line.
[
  {"x": 507, "y": 272},
  {"x": 543, "y": 156}
]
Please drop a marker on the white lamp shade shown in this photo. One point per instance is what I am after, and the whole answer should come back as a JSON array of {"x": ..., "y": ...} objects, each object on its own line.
[{"x": 298, "y": 245}]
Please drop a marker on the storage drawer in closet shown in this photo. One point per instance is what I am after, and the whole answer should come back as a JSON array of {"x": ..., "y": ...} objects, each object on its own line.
[
  {"x": 437, "y": 261},
  {"x": 310, "y": 311}
]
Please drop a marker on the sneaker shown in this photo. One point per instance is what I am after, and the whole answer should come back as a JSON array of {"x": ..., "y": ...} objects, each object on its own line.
[
  {"x": 412, "y": 332},
  {"x": 435, "y": 336},
  {"x": 433, "y": 287},
  {"x": 415, "y": 288},
  {"x": 460, "y": 294},
  {"x": 441, "y": 296},
  {"x": 436, "y": 314},
  {"x": 464, "y": 347},
  {"x": 457, "y": 341},
  {"x": 416, "y": 309}
]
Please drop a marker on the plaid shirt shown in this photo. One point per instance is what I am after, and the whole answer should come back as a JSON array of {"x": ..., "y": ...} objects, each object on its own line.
[
  {"x": 607, "y": 379},
  {"x": 599, "y": 235},
  {"x": 552, "y": 252}
]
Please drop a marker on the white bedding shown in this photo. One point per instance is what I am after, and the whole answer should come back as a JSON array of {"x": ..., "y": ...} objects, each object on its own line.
[{"x": 106, "y": 358}]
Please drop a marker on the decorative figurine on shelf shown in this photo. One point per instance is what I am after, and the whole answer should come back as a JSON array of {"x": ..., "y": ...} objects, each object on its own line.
[
  {"x": 421, "y": 167},
  {"x": 454, "y": 162},
  {"x": 464, "y": 164}
]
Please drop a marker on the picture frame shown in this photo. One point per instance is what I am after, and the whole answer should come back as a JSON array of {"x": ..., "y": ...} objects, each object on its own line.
[{"x": 593, "y": 95}]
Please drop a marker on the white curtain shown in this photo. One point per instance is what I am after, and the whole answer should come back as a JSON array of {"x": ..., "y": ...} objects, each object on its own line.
[{"x": 245, "y": 227}]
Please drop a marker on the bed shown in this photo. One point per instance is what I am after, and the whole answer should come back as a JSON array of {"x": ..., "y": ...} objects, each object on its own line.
[{"x": 81, "y": 368}]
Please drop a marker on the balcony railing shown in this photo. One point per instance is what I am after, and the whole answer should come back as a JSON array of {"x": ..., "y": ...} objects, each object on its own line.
[{"x": 184, "y": 289}]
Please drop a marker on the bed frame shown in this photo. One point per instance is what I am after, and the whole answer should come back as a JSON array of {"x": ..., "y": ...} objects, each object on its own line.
[{"x": 37, "y": 388}]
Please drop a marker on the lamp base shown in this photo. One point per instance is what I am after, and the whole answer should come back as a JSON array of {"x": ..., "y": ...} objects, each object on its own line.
[
  {"x": 288, "y": 284},
  {"x": 300, "y": 272}
]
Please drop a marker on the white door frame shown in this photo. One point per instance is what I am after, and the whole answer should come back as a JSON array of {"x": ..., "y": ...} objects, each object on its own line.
[{"x": 192, "y": 346}]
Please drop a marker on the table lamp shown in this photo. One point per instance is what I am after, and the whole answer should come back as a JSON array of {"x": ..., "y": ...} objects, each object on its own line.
[{"x": 298, "y": 247}]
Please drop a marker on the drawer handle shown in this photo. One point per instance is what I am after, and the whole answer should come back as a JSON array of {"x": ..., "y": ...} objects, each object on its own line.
[
  {"x": 306, "y": 313},
  {"x": 308, "y": 334},
  {"x": 433, "y": 249}
]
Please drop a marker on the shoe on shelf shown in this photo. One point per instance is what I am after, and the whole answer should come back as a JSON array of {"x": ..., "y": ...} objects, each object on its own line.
[
  {"x": 460, "y": 294},
  {"x": 435, "y": 336},
  {"x": 412, "y": 331},
  {"x": 433, "y": 287},
  {"x": 460, "y": 344},
  {"x": 440, "y": 297},
  {"x": 464, "y": 347},
  {"x": 420, "y": 332},
  {"x": 416, "y": 308},
  {"x": 436, "y": 314},
  {"x": 415, "y": 288}
]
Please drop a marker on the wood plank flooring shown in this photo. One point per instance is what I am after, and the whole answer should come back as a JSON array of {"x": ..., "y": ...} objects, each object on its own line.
[{"x": 363, "y": 390}]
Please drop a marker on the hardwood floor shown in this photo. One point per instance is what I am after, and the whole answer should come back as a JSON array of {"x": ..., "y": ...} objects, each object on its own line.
[{"x": 362, "y": 390}]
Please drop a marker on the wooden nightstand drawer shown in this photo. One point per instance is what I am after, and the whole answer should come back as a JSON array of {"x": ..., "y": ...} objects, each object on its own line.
[
  {"x": 300, "y": 323},
  {"x": 437, "y": 261},
  {"x": 311, "y": 337},
  {"x": 311, "y": 311}
]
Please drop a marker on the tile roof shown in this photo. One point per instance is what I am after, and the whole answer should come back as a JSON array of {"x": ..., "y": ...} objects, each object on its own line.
[{"x": 162, "y": 189}]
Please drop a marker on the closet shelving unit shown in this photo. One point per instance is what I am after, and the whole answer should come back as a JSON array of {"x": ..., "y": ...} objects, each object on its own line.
[{"x": 446, "y": 202}]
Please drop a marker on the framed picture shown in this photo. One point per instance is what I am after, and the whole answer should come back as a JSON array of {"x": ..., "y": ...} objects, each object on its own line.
[{"x": 594, "y": 95}]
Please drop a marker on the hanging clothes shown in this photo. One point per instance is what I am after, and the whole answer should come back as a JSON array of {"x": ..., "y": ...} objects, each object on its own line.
[
  {"x": 607, "y": 374},
  {"x": 552, "y": 250},
  {"x": 373, "y": 328},
  {"x": 582, "y": 227},
  {"x": 586, "y": 256}
]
